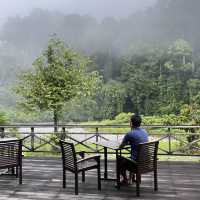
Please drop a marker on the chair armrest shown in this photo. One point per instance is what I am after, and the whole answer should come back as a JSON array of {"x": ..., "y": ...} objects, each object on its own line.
[
  {"x": 81, "y": 153},
  {"x": 131, "y": 160},
  {"x": 126, "y": 147},
  {"x": 89, "y": 158}
]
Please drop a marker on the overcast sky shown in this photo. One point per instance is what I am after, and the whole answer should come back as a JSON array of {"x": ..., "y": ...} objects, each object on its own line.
[{"x": 97, "y": 8}]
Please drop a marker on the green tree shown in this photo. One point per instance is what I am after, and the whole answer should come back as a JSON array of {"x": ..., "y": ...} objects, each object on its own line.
[
  {"x": 194, "y": 88},
  {"x": 140, "y": 75},
  {"x": 179, "y": 68},
  {"x": 81, "y": 109},
  {"x": 111, "y": 99},
  {"x": 3, "y": 118},
  {"x": 59, "y": 75}
]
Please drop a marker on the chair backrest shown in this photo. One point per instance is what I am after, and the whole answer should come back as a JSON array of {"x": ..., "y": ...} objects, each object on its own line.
[
  {"x": 10, "y": 152},
  {"x": 68, "y": 156},
  {"x": 147, "y": 156}
]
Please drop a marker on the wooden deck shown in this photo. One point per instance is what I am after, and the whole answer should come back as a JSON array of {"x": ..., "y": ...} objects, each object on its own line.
[{"x": 42, "y": 180}]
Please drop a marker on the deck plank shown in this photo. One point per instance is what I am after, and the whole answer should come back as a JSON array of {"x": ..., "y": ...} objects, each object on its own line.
[{"x": 42, "y": 180}]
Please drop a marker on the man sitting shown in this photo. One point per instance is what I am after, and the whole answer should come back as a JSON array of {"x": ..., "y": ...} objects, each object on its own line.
[{"x": 134, "y": 137}]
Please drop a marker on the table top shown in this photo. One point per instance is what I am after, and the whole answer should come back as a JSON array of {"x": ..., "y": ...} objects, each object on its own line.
[{"x": 109, "y": 144}]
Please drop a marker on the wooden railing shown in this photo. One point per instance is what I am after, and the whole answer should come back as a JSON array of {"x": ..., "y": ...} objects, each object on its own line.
[{"x": 174, "y": 140}]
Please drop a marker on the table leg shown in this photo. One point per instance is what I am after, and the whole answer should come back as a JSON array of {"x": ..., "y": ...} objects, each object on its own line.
[
  {"x": 105, "y": 163},
  {"x": 117, "y": 170}
]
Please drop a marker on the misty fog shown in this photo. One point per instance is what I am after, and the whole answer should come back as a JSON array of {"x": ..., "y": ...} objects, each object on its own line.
[
  {"x": 95, "y": 8},
  {"x": 153, "y": 36}
]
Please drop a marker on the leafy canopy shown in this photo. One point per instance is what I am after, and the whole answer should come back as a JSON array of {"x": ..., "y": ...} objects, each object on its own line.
[{"x": 59, "y": 74}]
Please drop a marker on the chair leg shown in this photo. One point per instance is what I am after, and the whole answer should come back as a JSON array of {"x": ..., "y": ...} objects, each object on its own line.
[
  {"x": 13, "y": 170},
  {"x": 83, "y": 176},
  {"x": 138, "y": 178},
  {"x": 64, "y": 178},
  {"x": 132, "y": 178},
  {"x": 17, "y": 170},
  {"x": 20, "y": 173},
  {"x": 99, "y": 176},
  {"x": 76, "y": 183},
  {"x": 118, "y": 169},
  {"x": 155, "y": 180}
]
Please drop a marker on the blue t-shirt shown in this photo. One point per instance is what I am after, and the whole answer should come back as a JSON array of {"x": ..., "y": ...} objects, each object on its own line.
[{"x": 134, "y": 137}]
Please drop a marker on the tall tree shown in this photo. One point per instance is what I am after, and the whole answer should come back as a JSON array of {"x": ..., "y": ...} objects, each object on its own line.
[
  {"x": 59, "y": 75},
  {"x": 180, "y": 69},
  {"x": 111, "y": 99}
]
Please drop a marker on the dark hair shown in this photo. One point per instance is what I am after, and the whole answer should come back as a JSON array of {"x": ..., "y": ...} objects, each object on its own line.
[{"x": 136, "y": 120}]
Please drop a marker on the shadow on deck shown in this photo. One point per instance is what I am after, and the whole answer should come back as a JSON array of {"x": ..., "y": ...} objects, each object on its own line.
[{"x": 42, "y": 179}]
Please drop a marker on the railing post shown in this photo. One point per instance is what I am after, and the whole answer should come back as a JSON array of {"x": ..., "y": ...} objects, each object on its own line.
[
  {"x": 169, "y": 141},
  {"x": 63, "y": 135},
  {"x": 97, "y": 137},
  {"x": 32, "y": 138},
  {"x": 2, "y": 132}
]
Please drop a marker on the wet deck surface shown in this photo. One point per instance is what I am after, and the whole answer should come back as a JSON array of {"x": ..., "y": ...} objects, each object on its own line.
[{"x": 42, "y": 180}]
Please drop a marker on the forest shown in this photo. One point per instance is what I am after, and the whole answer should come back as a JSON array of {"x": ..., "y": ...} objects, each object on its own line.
[{"x": 149, "y": 62}]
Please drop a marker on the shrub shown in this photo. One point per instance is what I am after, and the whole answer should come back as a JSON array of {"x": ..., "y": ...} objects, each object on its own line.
[
  {"x": 123, "y": 117},
  {"x": 3, "y": 118}
]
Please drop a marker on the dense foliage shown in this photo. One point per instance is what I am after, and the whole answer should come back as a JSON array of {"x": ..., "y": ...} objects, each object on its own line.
[
  {"x": 150, "y": 61},
  {"x": 3, "y": 118}
]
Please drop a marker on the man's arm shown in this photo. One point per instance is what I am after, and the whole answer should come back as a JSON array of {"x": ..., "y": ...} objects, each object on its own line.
[
  {"x": 124, "y": 141},
  {"x": 122, "y": 144}
]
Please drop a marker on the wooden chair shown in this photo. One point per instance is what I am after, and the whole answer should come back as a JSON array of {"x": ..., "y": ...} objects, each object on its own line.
[
  {"x": 146, "y": 161},
  {"x": 75, "y": 165},
  {"x": 11, "y": 156}
]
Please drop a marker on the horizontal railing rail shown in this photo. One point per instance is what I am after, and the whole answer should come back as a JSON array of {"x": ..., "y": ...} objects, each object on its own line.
[{"x": 174, "y": 140}]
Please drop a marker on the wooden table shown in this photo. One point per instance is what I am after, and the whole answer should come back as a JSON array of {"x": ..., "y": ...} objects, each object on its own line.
[{"x": 114, "y": 145}]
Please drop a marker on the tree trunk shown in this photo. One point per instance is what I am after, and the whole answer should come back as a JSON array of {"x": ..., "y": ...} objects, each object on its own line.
[{"x": 55, "y": 118}]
